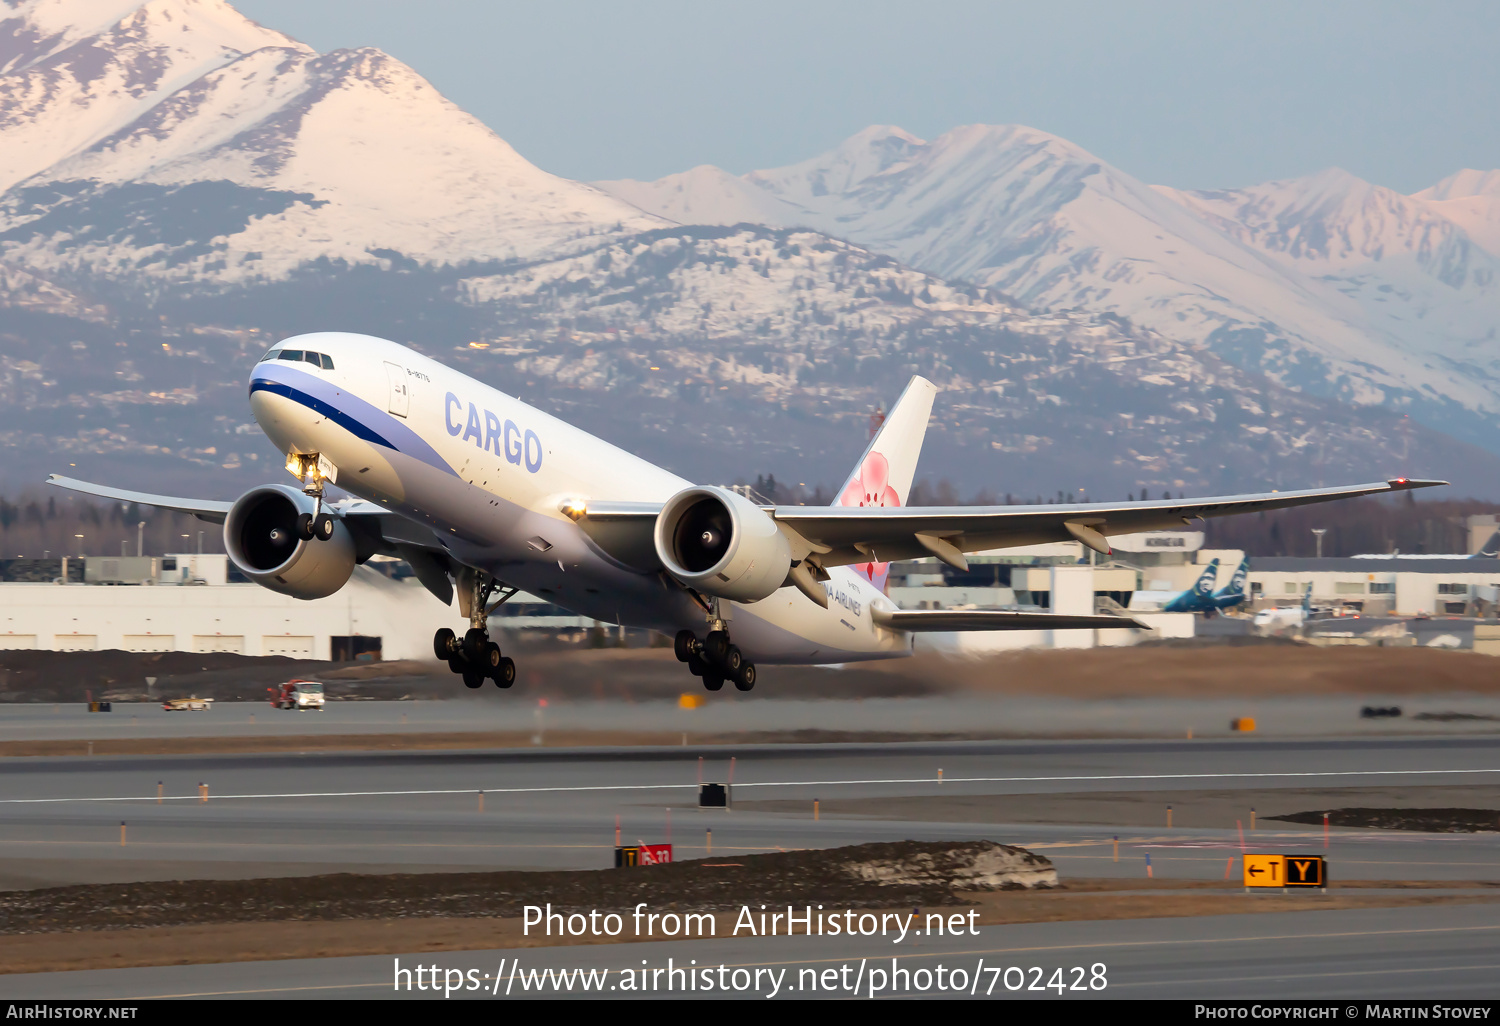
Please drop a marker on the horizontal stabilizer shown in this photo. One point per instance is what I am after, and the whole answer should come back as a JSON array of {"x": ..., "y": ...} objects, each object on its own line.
[{"x": 994, "y": 620}]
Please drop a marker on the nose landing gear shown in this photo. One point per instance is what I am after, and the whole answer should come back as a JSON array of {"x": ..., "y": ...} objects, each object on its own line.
[
  {"x": 475, "y": 656},
  {"x": 714, "y": 658},
  {"x": 312, "y": 469}
]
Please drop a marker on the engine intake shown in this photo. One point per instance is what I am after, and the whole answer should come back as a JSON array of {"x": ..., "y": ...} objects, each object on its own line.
[
  {"x": 260, "y": 535},
  {"x": 722, "y": 544}
]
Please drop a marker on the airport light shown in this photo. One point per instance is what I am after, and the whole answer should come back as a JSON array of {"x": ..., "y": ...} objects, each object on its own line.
[
  {"x": 80, "y": 545},
  {"x": 1318, "y": 533}
]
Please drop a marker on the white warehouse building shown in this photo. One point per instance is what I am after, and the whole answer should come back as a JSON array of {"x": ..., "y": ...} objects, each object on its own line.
[
  {"x": 1380, "y": 585},
  {"x": 188, "y": 604}
]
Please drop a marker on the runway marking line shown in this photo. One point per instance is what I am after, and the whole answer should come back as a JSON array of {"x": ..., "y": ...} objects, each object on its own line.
[
  {"x": 947, "y": 782},
  {"x": 924, "y": 954}
]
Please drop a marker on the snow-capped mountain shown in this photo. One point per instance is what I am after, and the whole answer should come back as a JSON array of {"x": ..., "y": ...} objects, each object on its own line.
[
  {"x": 1412, "y": 275},
  {"x": 1471, "y": 200},
  {"x": 186, "y": 187},
  {"x": 75, "y": 71},
  {"x": 184, "y": 142},
  {"x": 1326, "y": 283}
]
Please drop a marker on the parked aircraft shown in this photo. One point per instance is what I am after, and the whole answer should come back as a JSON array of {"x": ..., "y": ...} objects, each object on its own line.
[
  {"x": 1235, "y": 592},
  {"x": 1287, "y": 616},
  {"x": 1198, "y": 598},
  {"x": 485, "y": 496},
  {"x": 1204, "y": 598}
]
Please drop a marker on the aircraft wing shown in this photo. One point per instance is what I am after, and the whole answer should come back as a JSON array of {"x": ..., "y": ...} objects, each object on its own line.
[
  {"x": 204, "y": 509},
  {"x": 381, "y": 529},
  {"x": 992, "y": 620},
  {"x": 882, "y": 534}
]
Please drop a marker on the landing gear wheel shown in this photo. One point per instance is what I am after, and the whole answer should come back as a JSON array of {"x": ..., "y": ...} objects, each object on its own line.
[
  {"x": 745, "y": 679},
  {"x": 322, "y": 526},
  {"x": 712, "y": 681},
  {"x": 456, "y": 664},
  {"x": 732, "y": 661},
  {"x": 697, "y": 667},
  {"x": 716, "y": 646},
  {"x": 305, "y": 526},
  {"x": 444, "y": 644},
  {"x": 491, "y": 661},
  {"x": 505, "y": 674},
  {"x": 475, "y": 641},
  {"x": 472, "y": 678},
  {"x": 685, "y": 645}
]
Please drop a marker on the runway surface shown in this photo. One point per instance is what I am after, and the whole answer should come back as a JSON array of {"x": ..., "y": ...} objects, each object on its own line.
[
  {"x": 1011, "y": 715},
  {"x": 60, "y": 818},
  {"x": 1450, "y": 953}
]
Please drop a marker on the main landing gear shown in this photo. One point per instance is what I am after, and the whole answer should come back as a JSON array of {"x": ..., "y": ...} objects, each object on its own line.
[
  {"x": 474, "y": 655},
  {"x": 715, "y": 658}
]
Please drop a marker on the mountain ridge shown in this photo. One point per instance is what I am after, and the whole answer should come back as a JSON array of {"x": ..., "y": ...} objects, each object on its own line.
[
  {"x": 1041, "y": 219},
  {"x": 280, "y": 190}
]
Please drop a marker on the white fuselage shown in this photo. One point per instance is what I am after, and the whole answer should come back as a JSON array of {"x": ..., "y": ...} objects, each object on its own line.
[{"x": 489, "y": 475}]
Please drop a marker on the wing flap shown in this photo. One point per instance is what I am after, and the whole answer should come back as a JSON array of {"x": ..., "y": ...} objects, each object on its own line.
[
  {"x": 994, "y": 620},
  {"x": 860, "y": 534}
]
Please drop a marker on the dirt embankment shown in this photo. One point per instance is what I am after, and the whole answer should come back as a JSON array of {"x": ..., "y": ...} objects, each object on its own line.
[
  {"x": 1434, "y": 821},
  {"x": 224, "y": 934},
  {"x": 1197, "y": 670},
  {"x": 861, "y": 876}
]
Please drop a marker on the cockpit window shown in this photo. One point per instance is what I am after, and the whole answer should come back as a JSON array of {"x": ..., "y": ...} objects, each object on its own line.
[{"x": 300, "y": 356}]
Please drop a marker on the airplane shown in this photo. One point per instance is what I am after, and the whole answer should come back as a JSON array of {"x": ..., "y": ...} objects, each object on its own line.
[
  {"x": 1202, "y": 596},
  {"x": 1199, "y": 597},
  {"x": 1234, "y": 593},
  {"x": 1287, "y": 616},
  {"x": 486, "y": 496}
]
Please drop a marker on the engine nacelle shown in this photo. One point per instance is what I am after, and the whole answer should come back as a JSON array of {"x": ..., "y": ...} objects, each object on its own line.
[
  {"x": 722, "y": 544},
  {"x": 260, "y": 535}
]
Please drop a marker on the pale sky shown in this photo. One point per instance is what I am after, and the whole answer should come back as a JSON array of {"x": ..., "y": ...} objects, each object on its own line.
[{"x": 1194, "y": 95}]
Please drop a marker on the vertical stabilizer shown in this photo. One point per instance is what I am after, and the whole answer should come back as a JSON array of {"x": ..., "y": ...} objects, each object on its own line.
[
  {"x": 1198, "y": 598},
  {"x": 1207, "y": 580},
  {"x": 1237, "y": 583},
  {"x": 884, "y": 474}
]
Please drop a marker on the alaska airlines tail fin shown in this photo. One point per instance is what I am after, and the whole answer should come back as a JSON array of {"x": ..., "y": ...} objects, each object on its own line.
[
  {"x": 1198, "y": 598},
  {"x": 1207, "y": 580},
  {"x": 884, "y": 473},
  {"x": 1307, "y": 601},
  {"x": 1236, "y": 585}
]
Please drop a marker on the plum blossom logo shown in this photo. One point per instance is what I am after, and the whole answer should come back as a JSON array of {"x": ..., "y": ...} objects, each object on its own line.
[{"x": 871, "y": 488}]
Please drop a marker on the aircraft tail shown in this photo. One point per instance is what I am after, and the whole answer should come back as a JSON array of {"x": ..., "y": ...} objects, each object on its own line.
[
  {"x": 1207, "y": 580},
  {"x": 1236, "y": 585},
  {"x": 884, "y": 474},
  {"x": 1307, "y": 600}
]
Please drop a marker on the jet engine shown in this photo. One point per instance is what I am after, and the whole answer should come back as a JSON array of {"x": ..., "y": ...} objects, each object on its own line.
[
  {"x": 721, "y": 544},
  {"x": 261, "y": 535}
]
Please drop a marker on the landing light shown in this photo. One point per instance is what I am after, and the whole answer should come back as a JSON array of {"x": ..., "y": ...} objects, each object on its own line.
[{"x": 574, "y": 509}]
